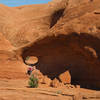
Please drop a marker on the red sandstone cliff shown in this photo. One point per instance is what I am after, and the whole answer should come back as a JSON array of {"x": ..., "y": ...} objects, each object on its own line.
[{"x": 64, "y": 35}]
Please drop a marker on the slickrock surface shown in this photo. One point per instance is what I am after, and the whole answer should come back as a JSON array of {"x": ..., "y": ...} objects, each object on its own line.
[{"x": 65, "y": 37}]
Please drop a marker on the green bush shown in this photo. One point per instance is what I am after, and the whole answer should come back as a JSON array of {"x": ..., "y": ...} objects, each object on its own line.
[
  {"x": 33, "y": 82},
  {"x": 27, "y": 58}
]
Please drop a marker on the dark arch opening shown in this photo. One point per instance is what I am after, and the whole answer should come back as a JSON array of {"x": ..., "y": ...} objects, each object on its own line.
[{"x": 66, "y": 52}]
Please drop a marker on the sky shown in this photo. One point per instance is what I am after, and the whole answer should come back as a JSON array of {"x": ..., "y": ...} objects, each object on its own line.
[{"x": 15, "y": 3}]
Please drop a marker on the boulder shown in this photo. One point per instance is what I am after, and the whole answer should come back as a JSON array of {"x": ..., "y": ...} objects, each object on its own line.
[
  {"x": 31, "y": 60},
  {"x": 46, "y": 81},
  {"x": 65, "y": 77}
]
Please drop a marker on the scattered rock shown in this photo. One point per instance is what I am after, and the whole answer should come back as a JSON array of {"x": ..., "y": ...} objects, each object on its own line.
[
  {"x": 46, "y": 80},
  {"x": 65, "y": 77},
  {"x": 69, "y": 86},
  {"x": 55, "y": 83},
  {"x": 77, "y": 86},
  {"x": 38, "y": 74}
]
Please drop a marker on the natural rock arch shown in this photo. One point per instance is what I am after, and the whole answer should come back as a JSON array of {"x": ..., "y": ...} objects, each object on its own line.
[{"x": 67, "y": 53}]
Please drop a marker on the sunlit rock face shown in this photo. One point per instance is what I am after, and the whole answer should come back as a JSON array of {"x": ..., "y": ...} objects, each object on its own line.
[
  {"x": 22, "y": 25},
  {"x": 63, "y": 35},
  {"x": 73, "y": 45},
  {"x": 73, "y": 3}
]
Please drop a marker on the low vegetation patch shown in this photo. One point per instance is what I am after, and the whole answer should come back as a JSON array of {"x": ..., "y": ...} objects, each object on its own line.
[{"x": 33, "y": 82}]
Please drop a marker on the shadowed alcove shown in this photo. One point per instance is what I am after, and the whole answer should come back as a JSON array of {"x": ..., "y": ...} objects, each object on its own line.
[{"x": 68, "y": 53}]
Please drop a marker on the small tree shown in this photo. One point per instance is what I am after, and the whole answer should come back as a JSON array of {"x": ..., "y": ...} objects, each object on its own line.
[{"x": 33, "y": 82}]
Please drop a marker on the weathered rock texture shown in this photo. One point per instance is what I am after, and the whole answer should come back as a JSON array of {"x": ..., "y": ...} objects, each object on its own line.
[{"x": 64, "y": 35}]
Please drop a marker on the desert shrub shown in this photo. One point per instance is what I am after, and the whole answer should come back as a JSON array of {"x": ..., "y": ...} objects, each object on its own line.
[
  {"x": 27, "y": 58},
  {"x": 33, "y": 82},
  {"x": 59, "y": 92}
]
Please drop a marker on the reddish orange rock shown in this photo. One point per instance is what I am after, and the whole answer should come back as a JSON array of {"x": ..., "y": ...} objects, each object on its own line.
[
  {"x": 55, "y": 83},
  {"x": 65, "y": 77},
  {"x": 46, "y": 81}
]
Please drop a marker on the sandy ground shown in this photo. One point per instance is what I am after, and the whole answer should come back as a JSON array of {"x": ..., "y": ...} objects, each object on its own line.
[{"x": 18, "y": 90}]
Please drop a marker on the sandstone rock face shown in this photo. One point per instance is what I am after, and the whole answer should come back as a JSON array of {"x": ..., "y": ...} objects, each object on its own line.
[
  {"x": 27, "y": 23},
  {"x": 78, "y": 19},
  {"x": 18, "y": 27},
  {"x": 63, "y": 35},
  {"x": 11, "y": 67},
  {"x": 5, "y": 44},
  {"x": 74, "y": 3},
  {"x": 66, "y": 48}
]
